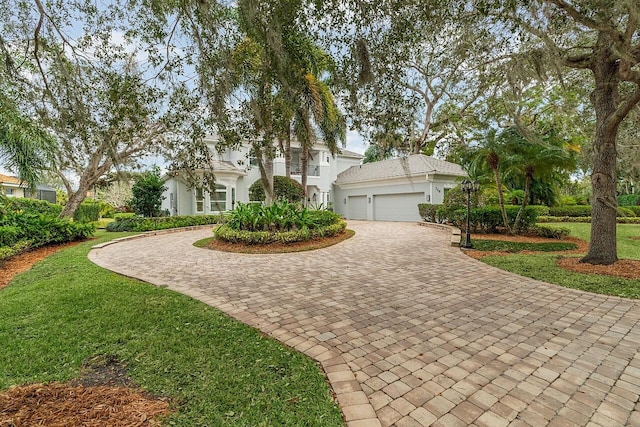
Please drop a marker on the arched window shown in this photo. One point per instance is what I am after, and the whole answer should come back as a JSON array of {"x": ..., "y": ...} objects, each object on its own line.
[{"x": 219, "y": 199}]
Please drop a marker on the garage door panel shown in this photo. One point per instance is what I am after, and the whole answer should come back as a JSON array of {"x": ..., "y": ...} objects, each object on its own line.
[
  {"x": 397, "y": 207},
  {"x": 357, "y": 207}
]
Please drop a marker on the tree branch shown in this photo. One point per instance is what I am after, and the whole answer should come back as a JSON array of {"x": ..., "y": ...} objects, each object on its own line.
[
  {"x": 623, "y": 109},
  {"x": 580, "y": 18}
]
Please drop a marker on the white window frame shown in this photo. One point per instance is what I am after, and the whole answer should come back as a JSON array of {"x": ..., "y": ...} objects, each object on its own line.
[
  {"x": 214, "y": 204},
  {"x": 199, "y": 200}
]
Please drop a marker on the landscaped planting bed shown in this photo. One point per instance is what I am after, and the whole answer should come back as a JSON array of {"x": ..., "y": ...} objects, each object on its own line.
[
  {"x": 27, "y": 224},
  {"x": 281, "y": 222}
]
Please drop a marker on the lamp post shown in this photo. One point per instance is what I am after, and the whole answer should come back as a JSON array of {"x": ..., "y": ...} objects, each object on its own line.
[{"x": 468, "y": 186}]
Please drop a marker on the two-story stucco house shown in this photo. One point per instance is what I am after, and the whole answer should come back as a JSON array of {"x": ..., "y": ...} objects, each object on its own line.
[{"x": 236, "y": 170}]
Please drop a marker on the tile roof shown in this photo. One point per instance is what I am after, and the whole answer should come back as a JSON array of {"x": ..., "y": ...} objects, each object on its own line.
[
  {"x": 417, "y": 164},
  {"x": 6, "y": 179},
  {"x": 347, "y": 153}
]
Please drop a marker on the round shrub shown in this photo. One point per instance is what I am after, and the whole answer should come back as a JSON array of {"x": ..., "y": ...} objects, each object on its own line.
[{"x": 285, "y": 188}]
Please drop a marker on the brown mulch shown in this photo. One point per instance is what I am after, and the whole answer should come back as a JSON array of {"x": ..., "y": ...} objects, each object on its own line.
[
  {"x": 23, "y": 262},
  {"x": 56, "y": 404},
  {"x": 625, "y": 268},
  {"x": 103, "y": 395},
  {"x": 629, "y": 269},
  {"x": 274, "y": 248}
]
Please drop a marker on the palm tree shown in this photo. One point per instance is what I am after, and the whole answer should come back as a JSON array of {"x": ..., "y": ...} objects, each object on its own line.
[
  {"x": 490, "y": 154},
  {"x": 24, "y": 146},
  {"x": 536, "y": 159},
  {"x": 311, "y": 98}
]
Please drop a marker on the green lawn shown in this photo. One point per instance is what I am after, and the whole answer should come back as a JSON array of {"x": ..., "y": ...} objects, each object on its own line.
[
  {"x": 215, "y": 370},
  {"x": 543, "y": 266},
  {"x": 627, "y": 247}
]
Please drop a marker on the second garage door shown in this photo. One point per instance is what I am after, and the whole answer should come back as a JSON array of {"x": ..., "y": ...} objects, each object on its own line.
[{"x": 397, "y": 207}]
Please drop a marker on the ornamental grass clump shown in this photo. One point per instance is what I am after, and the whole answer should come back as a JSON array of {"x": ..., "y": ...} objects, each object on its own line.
[{"x": 281, "y": 222}]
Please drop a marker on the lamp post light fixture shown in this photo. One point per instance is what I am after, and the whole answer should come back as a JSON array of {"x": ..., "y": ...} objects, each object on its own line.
[{"x": 468, "y": 186}]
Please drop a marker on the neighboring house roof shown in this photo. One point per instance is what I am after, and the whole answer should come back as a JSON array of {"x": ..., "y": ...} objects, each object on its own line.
[
  {"x": 11, "y": 181},
  {"x": 353, "y": 154},
  {"x": 417, "y": 164}
]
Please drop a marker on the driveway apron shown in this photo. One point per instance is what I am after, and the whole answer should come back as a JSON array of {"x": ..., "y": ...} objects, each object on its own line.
[{"x": 412, "y": 332}]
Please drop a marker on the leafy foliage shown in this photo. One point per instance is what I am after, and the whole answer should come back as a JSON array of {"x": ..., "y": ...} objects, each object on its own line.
[
  {"x": 87, "y": 212},
  {"x": 429, "y": 212},
  {"x": 147, "y": 192},
  {"x": 629, "y": 200},
  {"x": 551, "y": 231},
  {"x": 284, "y": 188},
  {"x": 28, "y": 225},
  {"x": 130, "y": 222},
  {"x": 489, "y": 219},
  {"x": 281, "y": 222}
]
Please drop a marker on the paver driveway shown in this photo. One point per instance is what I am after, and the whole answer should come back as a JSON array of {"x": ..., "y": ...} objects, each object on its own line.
[{"x": 432, "y": 336}]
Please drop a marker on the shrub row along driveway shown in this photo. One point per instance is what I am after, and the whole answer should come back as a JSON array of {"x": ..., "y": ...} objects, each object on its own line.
[{"x": 430, "y": 335}]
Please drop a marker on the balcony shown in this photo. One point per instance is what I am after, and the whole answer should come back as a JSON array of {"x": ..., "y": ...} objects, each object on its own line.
[{"x": 312, "y": 170}]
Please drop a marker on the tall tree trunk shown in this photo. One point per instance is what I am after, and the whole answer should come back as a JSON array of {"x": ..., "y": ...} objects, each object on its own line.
[
  {"x": 75, "y": 199},
  {"x": 304, "y": 161},
  {"x": 265, "y": 165},
  {"x": 527, "y": 189},
  {"x": 603, "y": 246},
  {"x": 287, "y": 154},
  {"x": 503, "y": 210}
]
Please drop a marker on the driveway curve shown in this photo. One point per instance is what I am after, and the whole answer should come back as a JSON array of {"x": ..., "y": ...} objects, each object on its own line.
[{"x": 412, "y": 332}]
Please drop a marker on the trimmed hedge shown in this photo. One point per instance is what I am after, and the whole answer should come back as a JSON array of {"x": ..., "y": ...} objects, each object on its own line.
[
  {"x": 224, "y": 232},
  {"x": 576, "y": 210},
  {"x": 16, "y": 204},
  {"x": 489, "y": 219},
  {"x": 619, "y": 220},
  {"x": 429, "y": 212},
  {"x": 87, "y": 212},
  {"x": 135, "y": 223}
]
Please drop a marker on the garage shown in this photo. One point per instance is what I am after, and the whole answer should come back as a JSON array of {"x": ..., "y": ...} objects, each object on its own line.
[
  {"x": 390, "y": 190},
  {"x": 357, "y": 207},
  {"x": 397, "y": 207}
]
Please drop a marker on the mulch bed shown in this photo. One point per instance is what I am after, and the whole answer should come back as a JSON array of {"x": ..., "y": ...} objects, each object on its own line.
[
  {"x": 56, "y": 404},
  {"x": 626, "y": 268},
  {"x": 276, "y": 247},
  {"x": 23, "y": 262},
  {"x": 103, "y": 395}
]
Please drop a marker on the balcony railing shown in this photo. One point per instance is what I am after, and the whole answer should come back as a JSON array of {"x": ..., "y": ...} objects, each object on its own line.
[{"x": 312, "y": 170}]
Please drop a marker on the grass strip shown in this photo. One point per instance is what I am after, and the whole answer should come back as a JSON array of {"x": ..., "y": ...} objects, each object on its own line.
[
  {"x": 543, "y": 267},
  {"x": 215, "y": 370}
]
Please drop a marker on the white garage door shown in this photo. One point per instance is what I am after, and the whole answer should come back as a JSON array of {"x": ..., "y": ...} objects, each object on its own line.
[
  {"x": 397, "y": 207},
  {"x": 357, "y": 207}
]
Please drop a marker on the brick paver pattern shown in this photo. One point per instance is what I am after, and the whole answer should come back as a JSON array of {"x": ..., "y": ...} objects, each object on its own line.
[{"x": 432, "y": 336}]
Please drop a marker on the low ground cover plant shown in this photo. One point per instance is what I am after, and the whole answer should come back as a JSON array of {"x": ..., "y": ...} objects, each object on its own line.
[
  {"x": 281, "y": 222},
  {"x": 26, "y": 225}
]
